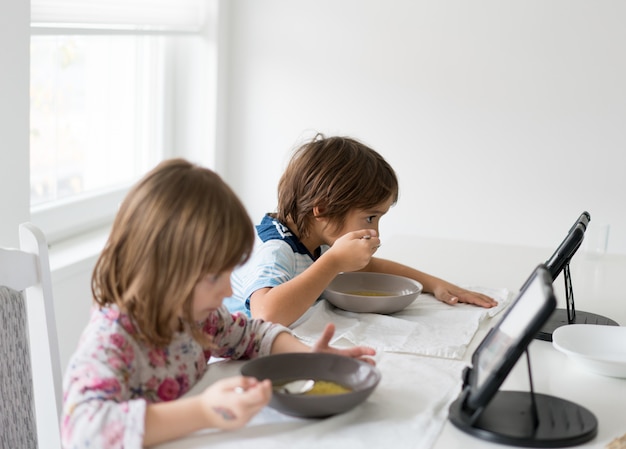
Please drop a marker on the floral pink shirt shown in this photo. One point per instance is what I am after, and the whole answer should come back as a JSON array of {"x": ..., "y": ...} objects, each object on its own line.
[{"x": 111, "y": 376}]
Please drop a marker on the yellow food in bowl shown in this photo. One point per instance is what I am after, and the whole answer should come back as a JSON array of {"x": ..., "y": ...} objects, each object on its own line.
[
  {"x": 320, "y": 388},
  {"x": 323, "y": 387}
]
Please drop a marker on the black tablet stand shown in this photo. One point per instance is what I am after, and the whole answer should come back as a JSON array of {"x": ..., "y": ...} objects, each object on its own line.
[
  {"x": 529, "y": 419},
  {"x": 561, "y": 317}
]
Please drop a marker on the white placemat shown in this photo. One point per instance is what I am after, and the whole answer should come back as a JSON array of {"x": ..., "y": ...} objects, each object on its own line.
[{"x": 425, "y": 327}]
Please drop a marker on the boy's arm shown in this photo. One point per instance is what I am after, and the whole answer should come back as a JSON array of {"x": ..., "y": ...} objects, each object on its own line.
[
  {"x": 287, "y": 302},
  {"x": 442, "y": 290}
]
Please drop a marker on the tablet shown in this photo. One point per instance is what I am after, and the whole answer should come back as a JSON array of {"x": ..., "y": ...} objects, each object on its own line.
[
  {"x": 507, "y": 340},
  {"x": 568, "y": 246}
]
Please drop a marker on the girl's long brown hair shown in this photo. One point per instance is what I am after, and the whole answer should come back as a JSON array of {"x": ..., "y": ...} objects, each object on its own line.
[{"x": 178, "y": 224}]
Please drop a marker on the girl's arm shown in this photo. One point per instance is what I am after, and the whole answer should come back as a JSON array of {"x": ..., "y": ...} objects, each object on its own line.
[
  {"x": 230, "y": 403},
  {"x": 227, "y": 404},
  {"x": 286, "y": 342},
  {"x": 442, "y": 290}
]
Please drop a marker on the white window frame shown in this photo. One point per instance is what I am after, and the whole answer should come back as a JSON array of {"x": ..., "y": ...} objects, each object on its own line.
[{"x": 63, "y": 219}]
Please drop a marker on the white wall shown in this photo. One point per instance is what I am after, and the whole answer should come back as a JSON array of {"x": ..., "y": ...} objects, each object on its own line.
[
  {"x": 14, "y": 159},
  {"x": 503, "y": 120},
  {"x": 476, "y": 104}
]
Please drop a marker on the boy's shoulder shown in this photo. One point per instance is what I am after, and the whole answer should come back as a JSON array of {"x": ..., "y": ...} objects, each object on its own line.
[
  {"x": 271, "y": 230},
  {"x": 274, "y": 235}
]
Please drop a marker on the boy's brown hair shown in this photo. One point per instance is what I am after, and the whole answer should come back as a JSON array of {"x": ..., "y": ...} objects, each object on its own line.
[
  {"x": 337, "y": 175},
  {"x": 176, "y": 225}
]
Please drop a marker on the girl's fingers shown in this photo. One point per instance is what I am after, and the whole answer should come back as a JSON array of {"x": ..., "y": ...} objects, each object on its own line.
[{"x": 324, "y": 340}]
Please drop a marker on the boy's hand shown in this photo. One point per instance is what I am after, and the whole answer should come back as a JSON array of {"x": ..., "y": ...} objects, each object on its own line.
[
  {"x": 451, "y": 294},
  {"x": 354, "y": 250}
]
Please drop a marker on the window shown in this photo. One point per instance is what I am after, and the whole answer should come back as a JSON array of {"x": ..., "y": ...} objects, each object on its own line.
[
  {"x": 99, "y": 110},
  {"x": 94, "y": 111}
]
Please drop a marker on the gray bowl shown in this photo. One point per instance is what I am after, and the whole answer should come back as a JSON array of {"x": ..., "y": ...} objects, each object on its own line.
[
  {"x": 348, "y": 292},
  {"x": 361, "y": 377}
]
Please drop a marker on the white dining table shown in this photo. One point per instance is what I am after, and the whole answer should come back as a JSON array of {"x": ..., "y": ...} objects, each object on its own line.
[{"x": 409, "y": 408}]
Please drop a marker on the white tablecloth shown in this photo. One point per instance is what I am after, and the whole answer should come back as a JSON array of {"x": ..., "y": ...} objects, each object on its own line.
[
  {"x": 426, "y": 327},
  {"x": 406, "y": 410},
  {"x": 419, "y": 352}
]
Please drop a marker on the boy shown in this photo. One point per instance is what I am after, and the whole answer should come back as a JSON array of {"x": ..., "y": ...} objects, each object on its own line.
[{"x": 330, "y": 201}]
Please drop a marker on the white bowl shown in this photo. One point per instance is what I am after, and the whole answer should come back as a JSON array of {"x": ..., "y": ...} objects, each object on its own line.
[
  {"x": 371, "y": 292},
  {"x": 598, "y": 348}
]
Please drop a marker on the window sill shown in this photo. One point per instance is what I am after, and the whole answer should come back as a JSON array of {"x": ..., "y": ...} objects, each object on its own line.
[{"x": 69, "y": 256}]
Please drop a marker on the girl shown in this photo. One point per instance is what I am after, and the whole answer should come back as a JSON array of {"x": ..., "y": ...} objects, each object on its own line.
[
  {"x": 331, "y": 198},
  {"x": 158, "y": 287}
]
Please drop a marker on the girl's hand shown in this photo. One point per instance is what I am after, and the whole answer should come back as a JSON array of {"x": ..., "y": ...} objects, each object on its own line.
[
  {"x": 451, "y": 294},
  {"x": 230, "y": 403},
  {"x": 358, "y": 352},
  {"x": 354, "y": 250}
]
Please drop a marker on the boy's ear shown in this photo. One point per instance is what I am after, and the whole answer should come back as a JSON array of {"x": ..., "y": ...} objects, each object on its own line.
[{"x": 317, "y": 211}]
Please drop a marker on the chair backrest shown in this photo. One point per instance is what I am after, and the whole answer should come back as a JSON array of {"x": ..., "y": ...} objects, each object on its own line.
[{"x": 30, "y": 376}]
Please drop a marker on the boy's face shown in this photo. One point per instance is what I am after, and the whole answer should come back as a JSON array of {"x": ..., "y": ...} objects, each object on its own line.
[
  {"x": 358, "y": 219},
  {"x": 209, "y": 293}
]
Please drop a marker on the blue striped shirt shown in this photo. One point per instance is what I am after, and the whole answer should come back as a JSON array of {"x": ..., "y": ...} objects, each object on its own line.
[{"x": 278, "y": 257}]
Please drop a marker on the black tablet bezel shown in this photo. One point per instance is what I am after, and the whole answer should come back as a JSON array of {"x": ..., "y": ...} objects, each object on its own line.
[
  {"x": 478, "y": 396},
  {"x": 568, "y": 246}
]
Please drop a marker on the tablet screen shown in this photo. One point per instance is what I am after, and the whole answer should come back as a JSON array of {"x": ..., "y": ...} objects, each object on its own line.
[{"x": 501, "y": 348}]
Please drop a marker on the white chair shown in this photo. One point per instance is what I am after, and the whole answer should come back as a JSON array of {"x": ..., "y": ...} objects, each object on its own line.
[{"x": 30, "y": 376}]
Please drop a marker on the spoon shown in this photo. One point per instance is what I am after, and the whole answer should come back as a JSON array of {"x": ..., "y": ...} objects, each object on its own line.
[{"x": 296, "y": 386}]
